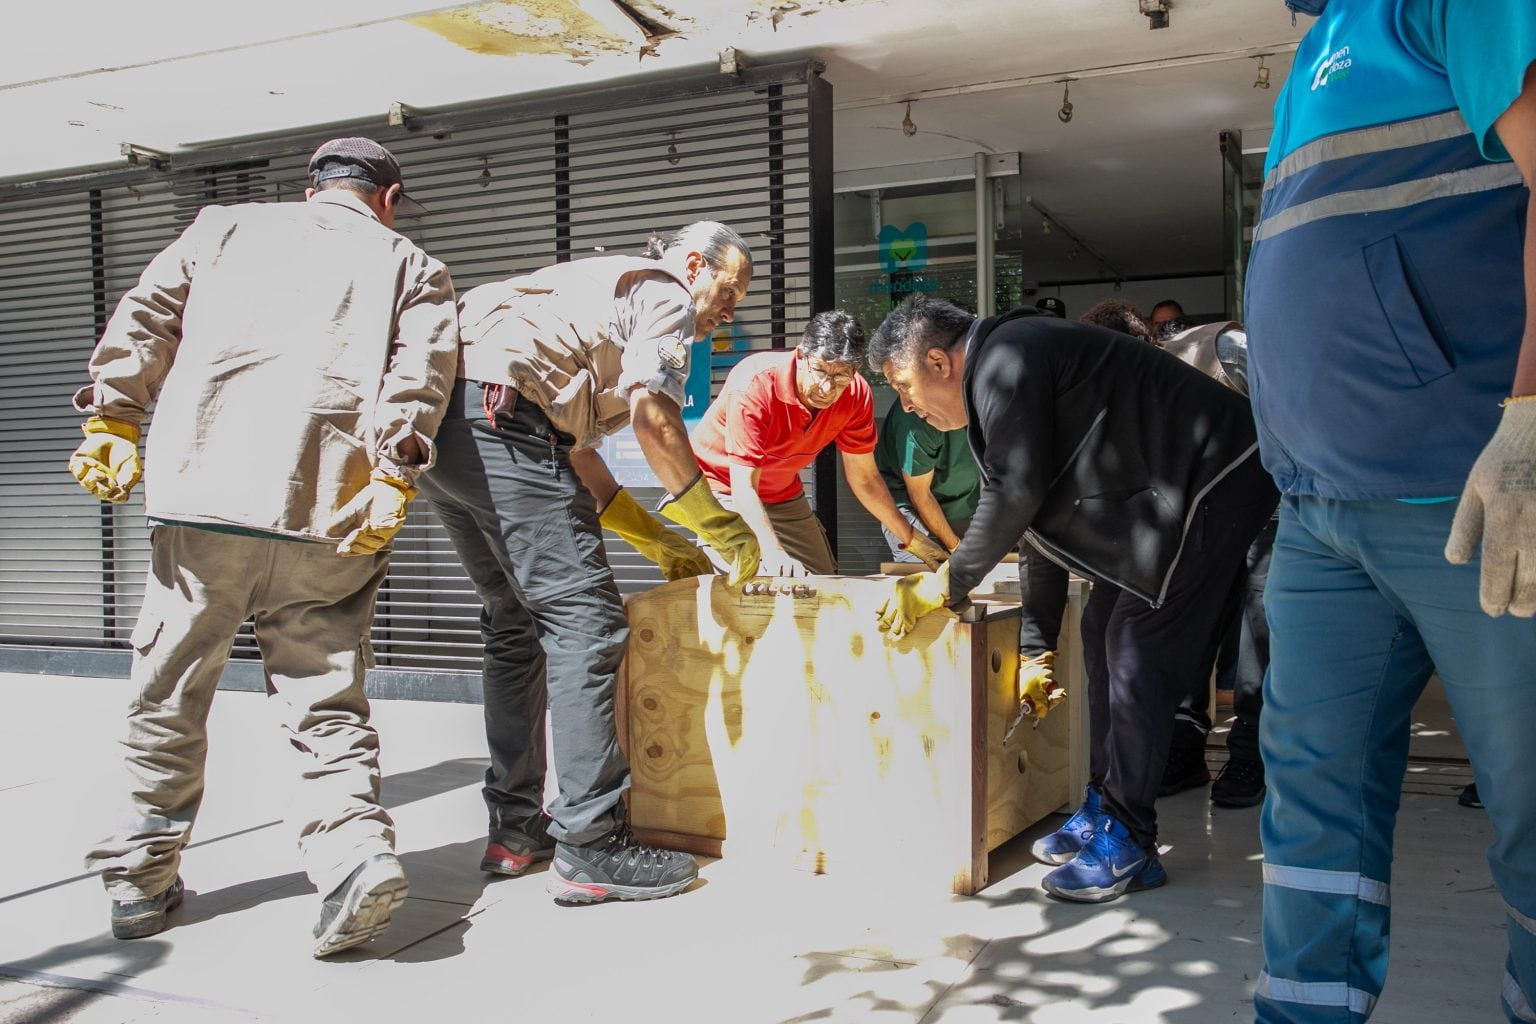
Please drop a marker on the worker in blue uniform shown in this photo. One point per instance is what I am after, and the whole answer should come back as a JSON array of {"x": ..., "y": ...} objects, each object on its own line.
[{"x": 1392, "y": 360}]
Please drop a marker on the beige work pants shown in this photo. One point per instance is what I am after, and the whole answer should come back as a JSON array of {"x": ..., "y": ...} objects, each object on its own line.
[{"x": 311, "y": 608}]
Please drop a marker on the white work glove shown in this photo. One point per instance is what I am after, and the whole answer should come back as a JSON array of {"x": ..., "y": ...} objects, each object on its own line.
[{"x": 1498, "y": 508}]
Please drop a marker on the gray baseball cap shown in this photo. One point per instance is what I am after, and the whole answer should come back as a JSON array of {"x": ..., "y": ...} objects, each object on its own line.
[{"x": 366, "y": 160}]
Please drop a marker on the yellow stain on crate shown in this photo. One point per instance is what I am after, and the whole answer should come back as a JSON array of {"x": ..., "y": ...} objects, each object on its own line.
[{"x": 770, "y": 722}]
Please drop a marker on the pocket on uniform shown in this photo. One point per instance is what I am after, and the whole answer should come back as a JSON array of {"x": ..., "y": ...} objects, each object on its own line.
[{"x": 1411, "y": 323}]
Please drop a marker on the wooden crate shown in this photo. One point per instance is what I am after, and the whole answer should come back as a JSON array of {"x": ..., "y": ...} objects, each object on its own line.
[{"x": 785, "y": 726}]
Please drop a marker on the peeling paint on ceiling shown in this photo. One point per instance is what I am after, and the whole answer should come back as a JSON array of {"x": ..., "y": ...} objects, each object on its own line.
[
  {"x": 585, "y": 29},
  {"x": 501, "y": 28}
]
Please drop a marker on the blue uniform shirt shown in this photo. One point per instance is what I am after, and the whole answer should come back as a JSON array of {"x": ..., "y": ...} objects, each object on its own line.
[{"x": 1385, "y": 296}]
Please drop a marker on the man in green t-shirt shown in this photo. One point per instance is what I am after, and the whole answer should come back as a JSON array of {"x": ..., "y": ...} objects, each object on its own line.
[{"x": 931, "y": 475}]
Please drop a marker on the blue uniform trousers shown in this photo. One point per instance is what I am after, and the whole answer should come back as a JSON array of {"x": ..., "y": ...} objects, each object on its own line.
[{"x": 1363, "y": 607}]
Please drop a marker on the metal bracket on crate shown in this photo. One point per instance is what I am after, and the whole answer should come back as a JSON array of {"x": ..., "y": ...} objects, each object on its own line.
[
  {"x": 776, "y": 587},
  {"x": 804, "y": 597}
]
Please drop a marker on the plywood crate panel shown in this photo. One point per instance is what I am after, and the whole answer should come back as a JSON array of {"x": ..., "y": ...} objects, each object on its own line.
[{"x": 786, "y": 726}]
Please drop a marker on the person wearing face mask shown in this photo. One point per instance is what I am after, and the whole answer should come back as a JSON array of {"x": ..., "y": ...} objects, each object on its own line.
[
  {"x": 1391, "y": 315},
  {"x": 774, "y": 415},
  {"x": 553, "y": 362}
]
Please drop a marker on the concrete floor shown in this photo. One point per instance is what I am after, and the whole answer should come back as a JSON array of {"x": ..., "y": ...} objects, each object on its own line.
[{"x": 744, "y": 945}]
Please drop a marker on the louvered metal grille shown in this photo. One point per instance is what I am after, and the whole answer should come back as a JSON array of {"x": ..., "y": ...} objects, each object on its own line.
[{"x": 509, "y": 189}]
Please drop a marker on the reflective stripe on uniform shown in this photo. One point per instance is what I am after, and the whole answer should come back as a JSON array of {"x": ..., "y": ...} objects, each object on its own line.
[
  {"x": 1341, "y": 883},
  {"x": 1526, "y": 922},
  {"x": 1485, "y": 178},
  {"x": 1375, "y": 139},
  {"x": 1315, "y": 993},
  {"x": 1518, "y": 1003}
]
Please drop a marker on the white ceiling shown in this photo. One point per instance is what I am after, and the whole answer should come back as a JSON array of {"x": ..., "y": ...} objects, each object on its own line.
[{"x": 1136, "y": 173}]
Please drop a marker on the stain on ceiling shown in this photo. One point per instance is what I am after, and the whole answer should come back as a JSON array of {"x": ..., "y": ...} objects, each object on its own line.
[{"x": 583, "y": 30}]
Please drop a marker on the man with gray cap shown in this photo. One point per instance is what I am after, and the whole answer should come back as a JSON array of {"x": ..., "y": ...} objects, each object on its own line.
[{"x": 301, "y": 355}]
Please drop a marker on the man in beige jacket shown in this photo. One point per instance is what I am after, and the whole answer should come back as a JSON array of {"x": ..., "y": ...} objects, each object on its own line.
[
  {"x": 301, "y": 354},
  {"x": 553, "y": 362}
]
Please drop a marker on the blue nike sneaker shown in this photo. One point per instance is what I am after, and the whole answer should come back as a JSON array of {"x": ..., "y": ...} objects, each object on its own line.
[
  {"x": 1111, "y": 865},
  {"x": 1063, "y": 844}
]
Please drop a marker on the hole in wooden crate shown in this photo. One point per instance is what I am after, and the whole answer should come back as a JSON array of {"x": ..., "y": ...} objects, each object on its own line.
[
  {"x": 1023, "y": 762},
  {"x": 997, "y": 661}
]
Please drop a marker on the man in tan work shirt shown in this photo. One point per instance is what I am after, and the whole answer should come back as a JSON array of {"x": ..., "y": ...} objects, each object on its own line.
[
  {"x": 553, "y": 362},
  {"x": 301, "y": 354}
]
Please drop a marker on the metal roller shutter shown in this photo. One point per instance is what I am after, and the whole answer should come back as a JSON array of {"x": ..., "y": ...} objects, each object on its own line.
[{"x": 509, "y": 188}]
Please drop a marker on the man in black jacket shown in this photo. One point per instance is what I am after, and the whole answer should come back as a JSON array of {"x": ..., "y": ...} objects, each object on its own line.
[{"x": 1127, "y": 467}]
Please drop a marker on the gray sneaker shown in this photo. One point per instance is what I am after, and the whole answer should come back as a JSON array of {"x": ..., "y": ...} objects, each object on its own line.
[
  {"x": 358, "y": 909},
  {"x": 138, "y": 919},
  {"x": 617, "y": 866}
]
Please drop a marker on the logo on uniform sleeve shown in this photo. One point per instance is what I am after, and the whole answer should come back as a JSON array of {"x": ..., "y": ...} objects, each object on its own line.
[
  {"x": 1334, "y": 68},
  {"x": 674, "y": 352}
]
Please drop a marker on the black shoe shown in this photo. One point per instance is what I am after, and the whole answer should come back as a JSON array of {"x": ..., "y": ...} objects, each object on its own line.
[
  {"x": 358, "y": 909},
  {"x": 618, "y": 866},
  {"x": 1468, "y": 797},
  {"x": 1185, "y": 770},
  {"x": 1240, "y": 784},
  {"x": 137, "y": 919},
  {"x": 511, "y": 852}
]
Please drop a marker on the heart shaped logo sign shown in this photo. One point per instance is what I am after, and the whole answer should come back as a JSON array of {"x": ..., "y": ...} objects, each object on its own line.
[{"x": 904, "y": 248}]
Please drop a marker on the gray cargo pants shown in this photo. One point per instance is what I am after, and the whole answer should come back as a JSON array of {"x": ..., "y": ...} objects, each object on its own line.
[
  {"x": 552, "y": 619},
  {"x": 312, "y": 609}
]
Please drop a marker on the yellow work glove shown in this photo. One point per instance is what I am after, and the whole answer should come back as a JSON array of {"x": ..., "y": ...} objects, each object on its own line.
[
  {"x": 915, "y": 596},
  {"x": 723, "y": 530},
  {"x": 1038, "y": 690},
  {"x": 1498, "y": 508},
  {"x": 926, "y": 550},
  {"x": 381, "y": 505},
  {"x": 107, "y": 461},
  {"x": 677, "y": 558}
]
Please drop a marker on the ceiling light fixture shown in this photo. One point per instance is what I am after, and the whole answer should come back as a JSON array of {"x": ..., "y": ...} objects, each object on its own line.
[
  {"x": 908, "y": 126},
  {"x": 672, "y": 154},
  {"x": 400, "y": 116},
  {"x": 136, "y": 154},
  {"x": 1262, "y": 81},
  {"x": 485, "y": 173},
  {"x": 1156, "y": 12},
  {"x": 1079, "y": 244},
  {"x": 1065, "y": 113}
]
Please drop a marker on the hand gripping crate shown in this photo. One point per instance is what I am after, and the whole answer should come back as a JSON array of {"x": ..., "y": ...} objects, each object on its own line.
[{"x": 775, "y": 721}]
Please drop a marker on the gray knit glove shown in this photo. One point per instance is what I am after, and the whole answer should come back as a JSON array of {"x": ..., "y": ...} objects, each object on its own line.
[{"x": 1498, "y": 508}]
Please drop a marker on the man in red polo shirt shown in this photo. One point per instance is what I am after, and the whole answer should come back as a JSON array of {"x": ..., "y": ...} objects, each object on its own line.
[{"x": 774, "y": 415}]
